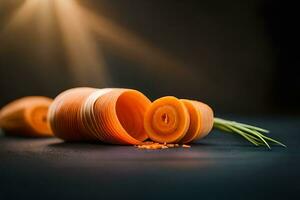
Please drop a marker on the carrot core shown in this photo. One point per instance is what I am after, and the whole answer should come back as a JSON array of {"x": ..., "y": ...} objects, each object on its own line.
[
  {"x": 165, "y": 118},
  {"x": 39, "y": 120}
]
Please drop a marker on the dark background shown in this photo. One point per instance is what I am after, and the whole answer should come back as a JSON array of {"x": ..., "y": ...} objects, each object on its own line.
[
  {"x": 225, "y": 53},
  {"x": 229, "y": 50}
]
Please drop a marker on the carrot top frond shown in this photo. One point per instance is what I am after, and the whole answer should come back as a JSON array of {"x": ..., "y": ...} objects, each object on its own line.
[{"x": 251, "y": 133}]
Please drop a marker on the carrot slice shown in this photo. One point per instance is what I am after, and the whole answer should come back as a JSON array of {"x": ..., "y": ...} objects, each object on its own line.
[
  {"x": 167, "y": 120},
  {"x": 111, "y": 115},
  {"x": 201, "y": 120},
  {"x": 195, "y": 122},
  {"x": 26, "y": 117}
]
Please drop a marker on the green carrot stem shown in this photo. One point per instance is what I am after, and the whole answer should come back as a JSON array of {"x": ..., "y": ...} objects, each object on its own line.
[
  {"x": 251, "y": 133},
  {"x": 219, "y": 120}
]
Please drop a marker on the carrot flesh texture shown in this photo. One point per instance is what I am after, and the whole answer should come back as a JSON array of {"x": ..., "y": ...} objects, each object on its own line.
[
  {"x": 167, "y": 120},
  {"x": 206, "y": 119},
  {"x": 131, "y": 108},
  {"x": 110, "y": 115},
  {"x": 195, "y": 122},
  {"x": 27, "y": 117},
  {"x": 64, "y": 115},
  {"x": 121, "y": 115}
]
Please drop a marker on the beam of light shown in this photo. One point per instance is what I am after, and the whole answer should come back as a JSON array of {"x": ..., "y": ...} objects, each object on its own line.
[
  {"x": 33, "y": 12},
  {"x": 22, "y": 15},
  {"x": 44, "y": 19},
  {"x": 82, "y": 31},
  {"x": 132, "y": 46},
  {"x": 45, "y": 34},
  {"x": 86, "y": 62}
]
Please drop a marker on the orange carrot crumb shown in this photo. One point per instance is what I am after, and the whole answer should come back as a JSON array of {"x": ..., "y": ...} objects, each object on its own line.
[
  {"x": 171, "y": 145},
  {"x": 154, "y": 145}
]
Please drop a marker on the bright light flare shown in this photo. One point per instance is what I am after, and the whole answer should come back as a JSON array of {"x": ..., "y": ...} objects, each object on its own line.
[
  {"x": 82, "y": 31},
  {"x": 87, "y": 63},
  {"x": 132, "y": 46},
  {"x": 23, "y": 14}
]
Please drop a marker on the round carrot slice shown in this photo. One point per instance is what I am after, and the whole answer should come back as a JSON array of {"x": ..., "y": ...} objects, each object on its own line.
[
  {"x": 167, "y": 120},
  {"x": 26, "y": 117},
  {"x": 207, "y": 118},
  {"x": 201, "y": 120},
  {"x": 195, "y": 122}
]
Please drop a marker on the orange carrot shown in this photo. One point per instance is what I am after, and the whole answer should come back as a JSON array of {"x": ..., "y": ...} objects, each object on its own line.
[
  {"x": 169, "y": 119},
  {"x": 173, "y": 120},
  {"x": 120, "y": 116},
  {"x": 110, "y": 115},
  {"x": 26, "y": 117}
]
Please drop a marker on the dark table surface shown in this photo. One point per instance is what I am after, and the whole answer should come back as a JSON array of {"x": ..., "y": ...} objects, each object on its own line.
[{"x": 220, "y": 166}]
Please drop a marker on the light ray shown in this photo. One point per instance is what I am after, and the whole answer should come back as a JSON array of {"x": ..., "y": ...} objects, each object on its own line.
[
  {"x": 86, "y": 62},
  {"x": 132, "y": 46},
  {"x": 22, "y": 15},
  {"x": 82, "y": 31},
  {"x": 45, "y": 36}
]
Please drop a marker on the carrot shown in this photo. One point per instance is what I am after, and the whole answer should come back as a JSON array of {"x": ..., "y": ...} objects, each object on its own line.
[
  {"x": 173, "y": 120},
  {"x": 26, "y": 117},
  {"x": 121, "y": 116},
  {"x": 110, "y": 115},
  {"x": 169, "y": 120}
]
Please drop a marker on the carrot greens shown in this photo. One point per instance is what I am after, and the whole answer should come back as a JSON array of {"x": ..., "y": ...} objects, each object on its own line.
[{"x": 251, "y": 133}]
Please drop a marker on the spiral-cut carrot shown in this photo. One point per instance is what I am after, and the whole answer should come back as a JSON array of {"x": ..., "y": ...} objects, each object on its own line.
[
  {"x": 110, "y": 115},
  {"x": 170, "y": 120},
  {"x": 121, "y": 116},
  {"x": 26, "y": 117}
]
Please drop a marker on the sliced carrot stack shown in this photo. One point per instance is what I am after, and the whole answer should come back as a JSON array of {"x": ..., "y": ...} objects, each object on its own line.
[
  {"x": 26, "y": 117},
  {"x": 110, "y": 115},
  {"x": 171, "y": 120}
]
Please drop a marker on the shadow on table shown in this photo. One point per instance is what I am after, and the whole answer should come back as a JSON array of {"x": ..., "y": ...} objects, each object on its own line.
[
  {"x": 12, "y": 135},
  {"x": 203, "y": 146},
  {"x": 79, "y": 145}
]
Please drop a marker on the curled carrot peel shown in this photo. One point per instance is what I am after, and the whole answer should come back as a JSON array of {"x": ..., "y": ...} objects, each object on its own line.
[
  {"x": 169, "y": 120},
  {"x": 111, "y": 115},
  {"x": 26, "y": 117}
]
